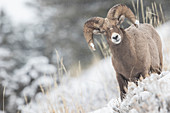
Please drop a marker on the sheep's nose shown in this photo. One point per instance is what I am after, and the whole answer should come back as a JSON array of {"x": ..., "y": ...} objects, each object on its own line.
[{"x": 115, "y": 37}]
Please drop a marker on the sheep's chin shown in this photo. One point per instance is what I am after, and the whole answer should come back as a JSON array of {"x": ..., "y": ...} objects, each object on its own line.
[{"x": 118, "y": 39}]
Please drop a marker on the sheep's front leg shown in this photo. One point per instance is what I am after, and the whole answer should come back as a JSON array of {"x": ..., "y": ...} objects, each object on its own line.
[
  {"x": 123, "y": 85},
  {"x": 145, "y": 74}
]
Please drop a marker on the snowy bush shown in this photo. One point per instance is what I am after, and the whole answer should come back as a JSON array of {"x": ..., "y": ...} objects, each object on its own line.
[
  {"x": 150, "y": 96},
  {"x": 7, "y": 61},
  {"x": 26, "y": 81}
]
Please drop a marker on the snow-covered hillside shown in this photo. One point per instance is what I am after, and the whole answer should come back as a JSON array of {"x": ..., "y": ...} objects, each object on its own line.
[{"x": 97, "y": 88}]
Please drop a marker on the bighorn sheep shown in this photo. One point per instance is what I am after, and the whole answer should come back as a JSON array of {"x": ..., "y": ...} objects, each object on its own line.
[{"x": 136, "y": 51}]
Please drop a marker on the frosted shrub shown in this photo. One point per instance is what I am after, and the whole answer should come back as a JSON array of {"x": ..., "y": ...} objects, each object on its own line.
[{"x": 151, "y": 95}]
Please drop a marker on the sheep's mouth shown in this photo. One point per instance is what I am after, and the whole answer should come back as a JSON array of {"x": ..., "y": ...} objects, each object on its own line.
[{"x": 116, "y": 41}]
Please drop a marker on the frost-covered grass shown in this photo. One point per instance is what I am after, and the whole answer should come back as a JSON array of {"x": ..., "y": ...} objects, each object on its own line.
[{"x": 95, "y": 86}]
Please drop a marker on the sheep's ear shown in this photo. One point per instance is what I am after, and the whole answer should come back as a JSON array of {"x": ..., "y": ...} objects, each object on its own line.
[{"x": 121, "y": 19}]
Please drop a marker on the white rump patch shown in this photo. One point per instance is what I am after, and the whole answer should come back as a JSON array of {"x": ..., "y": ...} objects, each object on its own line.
[{"x": 116, "y": 38}]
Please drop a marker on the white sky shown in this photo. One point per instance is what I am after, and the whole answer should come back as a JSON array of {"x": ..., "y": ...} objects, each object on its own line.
[{"x": 18, "y": 12}]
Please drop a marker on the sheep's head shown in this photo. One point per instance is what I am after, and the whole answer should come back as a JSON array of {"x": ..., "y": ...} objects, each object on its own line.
[
  {"x": 114, "y": 35},
  {"x": 110, "y": 24}
]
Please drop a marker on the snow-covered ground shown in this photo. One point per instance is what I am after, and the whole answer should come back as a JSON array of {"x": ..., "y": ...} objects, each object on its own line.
[
  {"x": 97, "y": 88},
  {"x": 164, "y": 32}
]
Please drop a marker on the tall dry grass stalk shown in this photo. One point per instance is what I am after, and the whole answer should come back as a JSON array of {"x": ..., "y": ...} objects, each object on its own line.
[
  {"x": 75, "y": 69},
  {"x": 103, "y": 46},
  {"x": 137, "y": 9},
  {"x": 60, "y": 65},
  {"x": 3, "y": 100},
  {"x": 142, "y": 10},
  {"x": 153, "y": 15},
  {"x": 162, "y": 14}
]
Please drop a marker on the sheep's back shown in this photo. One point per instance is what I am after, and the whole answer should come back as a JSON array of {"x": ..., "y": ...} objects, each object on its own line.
[{"x": 147, "y": 43}]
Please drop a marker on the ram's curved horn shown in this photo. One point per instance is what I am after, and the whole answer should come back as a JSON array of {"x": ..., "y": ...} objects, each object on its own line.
[
  {"x": 119, "y": 10},
  {"x": 92, "y": 26}
]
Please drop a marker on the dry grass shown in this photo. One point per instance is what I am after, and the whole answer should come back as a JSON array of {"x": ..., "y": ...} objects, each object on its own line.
[
  {"x": 61, "y": 69},
  {"x": 4, "y": 100},
  {"x": 76, "y": 70},
  {"x": 153, "y": 15}
]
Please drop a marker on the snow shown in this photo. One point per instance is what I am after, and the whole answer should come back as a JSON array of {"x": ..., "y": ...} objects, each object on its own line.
[
  {"x": 4, "y": 53},
  {"x": 6, "y": 61},
  {"x": 44, "y": 81},
  {"x": 38, "y": 60},
  {"x": 163, "y": 31},
  {"x": 46, "y": 68},
  {"x": 104, "y": 110},
  {"x": 11, "y": 64},
  {"x": 152, "y": 93},
  {"x": 91, "y": 87},
  {"x": 148, "y": 96}
]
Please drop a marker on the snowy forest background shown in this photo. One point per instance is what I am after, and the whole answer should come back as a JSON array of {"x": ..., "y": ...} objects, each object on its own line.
[{"x": 48, "y": 54}]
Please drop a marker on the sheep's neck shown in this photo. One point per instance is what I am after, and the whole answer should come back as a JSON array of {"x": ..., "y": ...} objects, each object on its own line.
[
  {"x": 124, "y": 54},
  {"x": 124, "y": 49}
]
